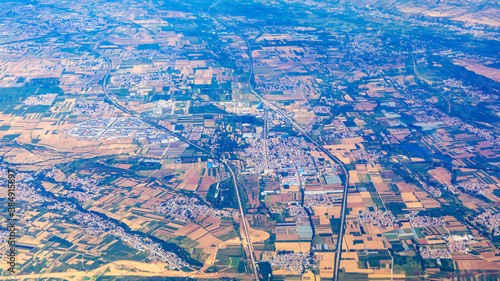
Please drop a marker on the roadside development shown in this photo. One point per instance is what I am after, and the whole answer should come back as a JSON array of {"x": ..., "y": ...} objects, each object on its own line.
[{"x": 180, "y": 137}]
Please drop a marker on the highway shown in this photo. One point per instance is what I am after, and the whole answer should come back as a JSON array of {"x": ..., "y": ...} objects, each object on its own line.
[
  {"x": 289, "y": 120},
  {"x": 180, "y": 137},
  {"x": 318, "y": 146}
]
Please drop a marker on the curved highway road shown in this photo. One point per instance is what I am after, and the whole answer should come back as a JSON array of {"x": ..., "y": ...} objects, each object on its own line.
[
  {"x": 180, "y": 137},
  {"x": 288, "y": 120}
]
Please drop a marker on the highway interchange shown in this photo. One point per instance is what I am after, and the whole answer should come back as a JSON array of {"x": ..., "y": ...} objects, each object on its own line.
[
  {"x": 230, "y": 169},
  {"x": 318, "y": 146},
  {"x": 180, "y": 137}
]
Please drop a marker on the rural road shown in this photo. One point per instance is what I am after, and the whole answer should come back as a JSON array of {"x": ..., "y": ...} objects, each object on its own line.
[
  {"x": 180, "y": 137},
  {"x": 320, "y": 147}
]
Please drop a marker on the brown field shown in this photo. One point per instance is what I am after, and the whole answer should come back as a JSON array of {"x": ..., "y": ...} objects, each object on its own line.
[
  {"x": 122, "y": 268},
  {"x": 492, "y": 73},
  {"x": 206, "y": 182},
  {"x": 469, "y": 262},
  {"x": 190, "y": 180}
]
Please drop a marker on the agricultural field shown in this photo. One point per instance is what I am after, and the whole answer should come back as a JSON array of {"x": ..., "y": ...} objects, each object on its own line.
[{"x": 250, "y": 140}]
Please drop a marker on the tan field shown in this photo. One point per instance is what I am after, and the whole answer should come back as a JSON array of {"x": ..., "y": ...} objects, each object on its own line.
[
  {"x": 492, "y": 73},
  {"x": 257, "y": 235},
  {"x": 121, "y": 268},
  {"x": 293, "y": 246},
  {"x": 211, "y": 260},
  {"x": 441, "y": 175}
]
